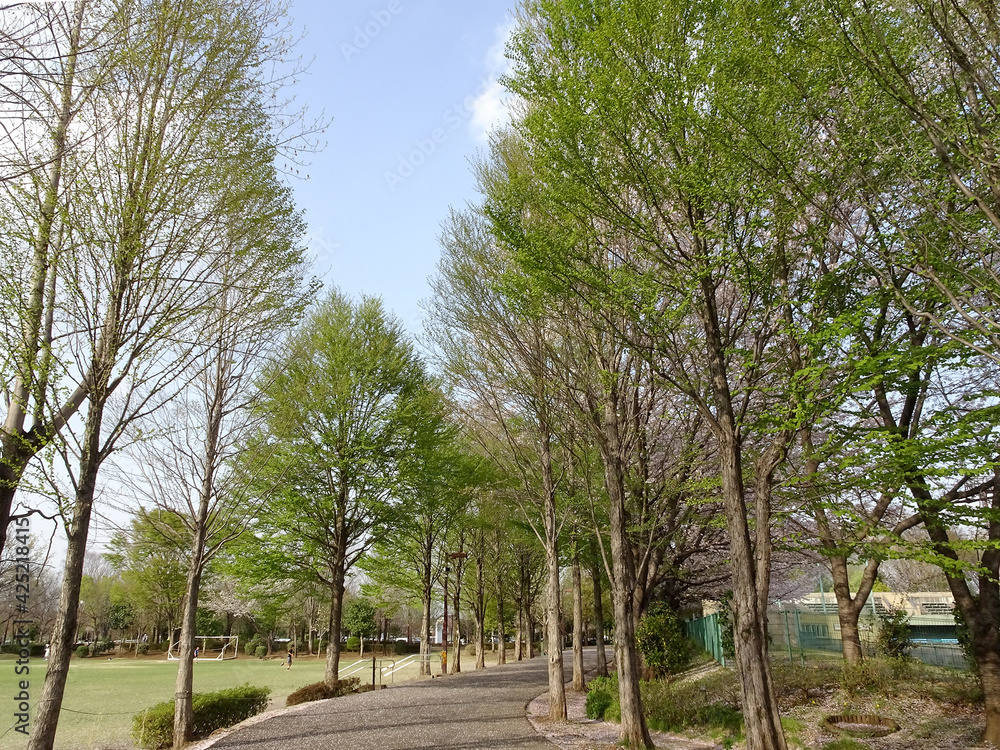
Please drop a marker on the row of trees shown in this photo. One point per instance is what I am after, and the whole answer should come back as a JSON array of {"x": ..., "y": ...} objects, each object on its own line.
[
  {"x": 736, "y": 267},
  {"x": 152, "y": 256}
]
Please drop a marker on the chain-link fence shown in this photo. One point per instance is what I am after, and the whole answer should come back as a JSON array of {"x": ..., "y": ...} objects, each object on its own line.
[{"x": 803, "y": 635}]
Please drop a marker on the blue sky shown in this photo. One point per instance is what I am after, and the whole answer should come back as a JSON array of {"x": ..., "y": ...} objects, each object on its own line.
[{"x": 411, "y": 88}]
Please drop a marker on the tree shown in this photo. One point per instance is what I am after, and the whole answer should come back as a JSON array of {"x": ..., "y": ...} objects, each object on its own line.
[
  {"x": 359, "y": 620},
  {"x": 497, "y": 349},
  {"x": 145, "y": 253},
  {"x": 340, "y": 412}
]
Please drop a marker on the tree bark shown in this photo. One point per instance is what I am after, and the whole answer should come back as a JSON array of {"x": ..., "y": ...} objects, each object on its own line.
[
  {"x": 332, "y": 673},
  {"x": 553, "y": 596},
  {"x": 760, "y": 710},
  {"x": 578, "y": 681},
  {"x": 602, "y": 656},
  {"x": 44, "y": 731}
]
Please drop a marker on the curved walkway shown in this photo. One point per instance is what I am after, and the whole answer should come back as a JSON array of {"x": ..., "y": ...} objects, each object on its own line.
[{"x": 476, "y": 709}]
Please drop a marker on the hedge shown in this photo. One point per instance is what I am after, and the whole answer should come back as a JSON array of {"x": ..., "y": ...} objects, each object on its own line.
[
  {"x": 154, "y": 727},
  {"x": 319, "y": 691}
]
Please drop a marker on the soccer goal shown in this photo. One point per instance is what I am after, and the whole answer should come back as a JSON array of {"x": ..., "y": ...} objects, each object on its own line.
[{"x": 210, "y": 647}]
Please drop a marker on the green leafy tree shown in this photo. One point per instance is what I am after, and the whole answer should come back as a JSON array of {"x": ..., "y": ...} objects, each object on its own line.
[
  {"x": 359, "y": 620},
  {"x": 660, "y": 637},
  {"x": 341, "y": 414}
]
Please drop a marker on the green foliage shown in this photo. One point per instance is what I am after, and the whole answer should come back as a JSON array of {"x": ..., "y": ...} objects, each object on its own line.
[
  {"x": 251, "y": 645},
  {"x": 726, "y": 624},
  {"x": 660, "y": 638},
  {"x": 142, "y": 649},
  {"x": 844, "y": 744},
  {"x": 359, "y": 618},
  {"x": 879, "y": 676},
  {"x": 260, "y": 651},
  {"x": 122, "y": 616},
  {"x": 321, "y": 691},
  {"x": 712, "y": 701},
  {"x": 83, "y": 651},
  {"x": 154, "y": 727},
  {"x": 601, "y": 693},
  {"x": 353, "y": 644},
  {"x": 893, "y": 638},
  {"x": 965, "y": 640}
]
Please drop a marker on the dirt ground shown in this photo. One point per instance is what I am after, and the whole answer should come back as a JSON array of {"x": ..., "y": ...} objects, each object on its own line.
[{"x": 924, "y": 725}]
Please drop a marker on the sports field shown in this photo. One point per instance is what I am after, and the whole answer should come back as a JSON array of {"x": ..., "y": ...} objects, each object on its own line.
[{"x": 103, "y": 695}]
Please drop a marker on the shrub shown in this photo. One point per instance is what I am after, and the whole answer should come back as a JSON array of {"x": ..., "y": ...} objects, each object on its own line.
[
  {"x": 154, "y": 727},
  {"x": 894, "y": 634},
  {"x": 726, "y": 624},
  {"x": 601, "y": 693},
  {"x": 252, "y": 644},
  {"x": 660, "y": 638},
  {"x": 143, "y": 648},
  {"x": 319, "y": 691},
  {"x": 400, "y": 647},
  {"x": 353, "y": 644},
  {"x": 878, "y": 675},
  {"x": 712, "y": 701},
  {"x": 83, "y": 651},
  {"x": 260, "y": 652},
  {"x": 964, "y": 636},
  {"x": 104, "y": 646}
]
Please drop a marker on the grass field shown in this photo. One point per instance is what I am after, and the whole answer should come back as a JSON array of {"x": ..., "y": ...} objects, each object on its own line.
[{"x": 103, "y": 695}]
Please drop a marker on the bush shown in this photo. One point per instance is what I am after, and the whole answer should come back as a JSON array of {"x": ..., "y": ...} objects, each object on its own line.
[
  {"x": 353, "y": 644},
  {"x": 154, "y": 727},
  {"x": 879, "y": 675},
  {"x": 660, "y": 638},
  {"x": 319, "y": 691},
  {"x": 143, "y": 648},
  {"x": 601, "y": 693},
  {"x": 401, "y": 647},
  {"x": 104, "y": 646},
  {"x": 83, "y": 651},
  {"x": 894, "y": 634},
  {"x": 252, "y": 644},
  {"x": 964, "y": 636},
  {"x": 260, "y": 652},
  {"x": 712, "y": 702}
]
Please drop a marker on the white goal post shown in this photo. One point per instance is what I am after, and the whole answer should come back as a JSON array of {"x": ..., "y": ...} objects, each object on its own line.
[{"x": 229, "y": 643}]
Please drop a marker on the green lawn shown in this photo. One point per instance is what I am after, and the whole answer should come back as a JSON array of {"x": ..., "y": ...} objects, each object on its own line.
[{"x": 102, "y": 695}]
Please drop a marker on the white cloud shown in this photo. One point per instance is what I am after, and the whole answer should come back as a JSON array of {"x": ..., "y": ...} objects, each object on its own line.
[{"x": 491, "y": 106}]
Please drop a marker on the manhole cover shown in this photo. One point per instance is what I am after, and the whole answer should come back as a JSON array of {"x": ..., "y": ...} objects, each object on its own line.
[{"x": 860, "y": 725}]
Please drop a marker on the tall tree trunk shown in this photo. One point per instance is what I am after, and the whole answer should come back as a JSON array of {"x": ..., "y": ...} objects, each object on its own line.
[
  {"x": 849, "y": 608},
  {"x": 760, "y": 710},
  {"x": 501, "y": 634},
  {"x": 634, "y": 731},
  {"x": 479, "y": 612},
  {"x": 332, "y": 673},
  {"x": 184, "y": 685},
  {"x": 602, "y": 656},
  {"x": 578, "y": 682},
  {"x": 44, "y": 731},
  {"x": 425, "y": 617},
  {"x": 553, "y": 595},
  {"x": 981, "y": 613}
]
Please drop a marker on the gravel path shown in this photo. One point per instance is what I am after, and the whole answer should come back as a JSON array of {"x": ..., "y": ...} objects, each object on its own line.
[{"x": 477, "y": 709}]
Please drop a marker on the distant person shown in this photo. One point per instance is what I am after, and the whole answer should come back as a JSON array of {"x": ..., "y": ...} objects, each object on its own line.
[
  {"x": 196, "y": 652},
  {"x": 46, "y": 656},
  {"x": 288, "y": 661}
]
